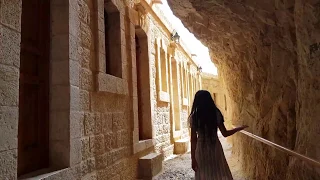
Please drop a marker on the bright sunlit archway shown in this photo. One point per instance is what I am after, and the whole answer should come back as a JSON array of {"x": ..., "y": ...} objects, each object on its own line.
[{"x": 192, "y": 43}]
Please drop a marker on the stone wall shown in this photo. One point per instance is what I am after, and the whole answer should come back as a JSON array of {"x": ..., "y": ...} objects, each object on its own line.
[
  {"x": 267, "y": 53},
  {"x": 10, "y": 12},
  {"x": 106, "y": 127},
  {"x": 94, "y": 122},
  {"x": 163, "y": 121}
]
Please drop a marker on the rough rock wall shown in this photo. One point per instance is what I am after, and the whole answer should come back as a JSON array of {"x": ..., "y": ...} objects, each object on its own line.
[
  {"x": 10, "y": 32},
  {"x": 267, "y": 54}
]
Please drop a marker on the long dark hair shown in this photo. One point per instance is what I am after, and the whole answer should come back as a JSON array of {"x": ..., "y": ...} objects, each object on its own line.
[{"x": 203, "y": 116}]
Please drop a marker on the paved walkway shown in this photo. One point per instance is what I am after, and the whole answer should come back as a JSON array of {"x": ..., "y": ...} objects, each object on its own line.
[{"x": 179, "y": 167}]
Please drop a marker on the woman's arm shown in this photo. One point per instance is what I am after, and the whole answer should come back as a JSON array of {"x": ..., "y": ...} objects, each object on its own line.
[{"x": 227, "y": 133}]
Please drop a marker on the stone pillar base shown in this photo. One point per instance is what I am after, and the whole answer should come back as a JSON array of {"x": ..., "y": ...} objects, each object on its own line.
[
  {"x": 150, "y": 165},
  {"x": 181, "y": 146}
]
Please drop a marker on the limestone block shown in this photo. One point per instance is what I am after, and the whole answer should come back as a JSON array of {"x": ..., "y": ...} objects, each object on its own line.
[
  {"x": 59, "y": 18},
  {"x": 8, "y": 161},
  {"x": 102, "y": 161},
  {"x": 84, "y": 11},
  {"x": 60, "y": 47},
  {"x": 60, "y": 72},
  {"x": 85, "y": 56},
  {"x": 122, "y": 86},
  {"x": 86, "y": 79},
  {"x": 8, "y": 128},
  {"x": 181, "y": 146},
  {"x": 59, "y": 124},
  {"x": 98, "y": 124},
  {"x": 9, "y": 85},
  {"x": 118, "y": 121},
  {"x": 106, "y": 122},
  {"x": 124, "y": 58},
  {"x": 123, "y": 37},
  {"x": 75, "y": 151},
  {"x": 97, "y": 145},
  {"x": 134, "y": 75},
  {"x": 122, "y": 22},
  {"x": 168, "y": 150},
  {"x": 134, "y": 90},
  {"x": 140, "y": 146},
  {"x": 74, "y": 23},
  {"x": 60, "y": 153},
  {"x": 10, "y": 13},
  {"x": 117, "y": 177},
  {"x": 74, "y": 45},
  {"x": 84, "y": 168},
  {"x": 74, "y": 98},
  {"x": 85, "y": 148},
  {"x": 86, "y": 36},
  {"x": 102, "y": 62},
  {"x": 91, "y": 164},
  {"x": 164, "y": 96},
  {"x": 101, "y": 42},
  {"x": 150, "y": 165},
  {"x": 110, "y": 141},
  {"x": 89, "y": 123},
  {"x": 135, "y": 135},
  {"x": 101, "y": 20},
  {"x": 60, "y": 96},
  {"x": 107, "y": 83},
  {"x": 9, "y": 46},
  {"x": 84, "y": 100}
]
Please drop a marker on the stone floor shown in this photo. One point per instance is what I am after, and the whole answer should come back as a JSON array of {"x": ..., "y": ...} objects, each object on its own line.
[{"x": 179, "y": 167}]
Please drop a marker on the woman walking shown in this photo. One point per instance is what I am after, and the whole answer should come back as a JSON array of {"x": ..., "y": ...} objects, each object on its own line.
[{"x": 208, "y": 160}]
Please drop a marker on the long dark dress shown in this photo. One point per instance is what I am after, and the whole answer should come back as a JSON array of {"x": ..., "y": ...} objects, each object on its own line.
[{"x": 212, "y": 164}]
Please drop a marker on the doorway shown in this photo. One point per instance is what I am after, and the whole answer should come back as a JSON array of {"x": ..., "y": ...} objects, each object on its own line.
[{"x": 33, "y": 142}]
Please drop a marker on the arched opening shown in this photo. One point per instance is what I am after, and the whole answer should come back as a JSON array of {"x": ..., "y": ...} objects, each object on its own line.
[
  {"x": 112, "y": 40},
  {"x": 164, "y": 70},
  {"x": 33, "y": 128},
  {"x": 143, "y": 85}
]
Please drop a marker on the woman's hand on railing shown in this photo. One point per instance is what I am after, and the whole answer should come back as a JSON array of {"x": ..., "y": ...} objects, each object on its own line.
[
  {"x": 242, "y": 127},
  {"x": 227, "y": 133}
]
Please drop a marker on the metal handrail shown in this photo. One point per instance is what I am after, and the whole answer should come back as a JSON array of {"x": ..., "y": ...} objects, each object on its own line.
[{"x": 283, "y": 149}]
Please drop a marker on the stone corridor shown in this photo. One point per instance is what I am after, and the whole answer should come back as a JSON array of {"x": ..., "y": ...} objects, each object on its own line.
[
  {"x": 178, "y": 167},
  {"x": 102, "y": 89}
]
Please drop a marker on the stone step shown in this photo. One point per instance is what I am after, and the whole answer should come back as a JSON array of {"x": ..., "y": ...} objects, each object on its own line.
[
  {"x": 150, "y": 165},
  {"x": 181, "y": 146}
]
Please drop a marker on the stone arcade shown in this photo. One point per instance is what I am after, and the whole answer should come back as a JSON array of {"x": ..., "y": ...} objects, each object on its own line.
[{"x": 89, "y": 87}]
